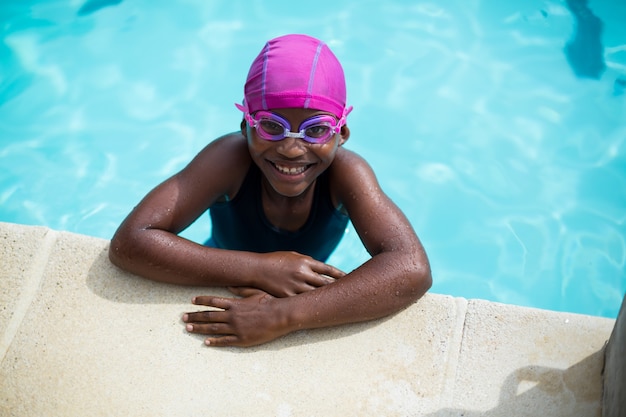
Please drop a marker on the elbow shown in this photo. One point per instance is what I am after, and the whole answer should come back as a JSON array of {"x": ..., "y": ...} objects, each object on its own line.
[
  {"x": 120, "y": 250},
  {"x": 116, "y": 253},
  {"x": 423, "y": 274},
  {"x": 413, "y": 277},
  {"x": 426, "y": 278},
  {"x": 420, "y": 279}
]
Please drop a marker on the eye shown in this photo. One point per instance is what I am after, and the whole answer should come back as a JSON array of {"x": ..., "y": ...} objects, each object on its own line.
[
  {"x": 318, "y": 131},
  {"x": 271, "y": 127}
]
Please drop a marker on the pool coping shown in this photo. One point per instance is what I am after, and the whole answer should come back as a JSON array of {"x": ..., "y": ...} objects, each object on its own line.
[{"x": 81, "y": 337}]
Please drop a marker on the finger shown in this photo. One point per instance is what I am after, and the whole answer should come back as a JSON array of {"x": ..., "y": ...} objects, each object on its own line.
[
  {"x": 306, "y": 287},
  {"x": 212, "y": 328},
  {"x": 222, "y": 341},
  {"x": 246, "y": 291},
  {"x": 215, "y": 316},
  {"x": 314, "y": 282},
  {"x": 328, "y": 270},
  {"x": 319, "y": 280},
  {"x": 212, "y": 301}
]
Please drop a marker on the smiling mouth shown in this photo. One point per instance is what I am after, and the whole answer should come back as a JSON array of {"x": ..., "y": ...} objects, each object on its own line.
[{"x": 290, "y": 170}]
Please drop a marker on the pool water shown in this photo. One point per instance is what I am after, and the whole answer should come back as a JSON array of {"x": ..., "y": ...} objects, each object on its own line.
[{"x": 499, "y": 127}]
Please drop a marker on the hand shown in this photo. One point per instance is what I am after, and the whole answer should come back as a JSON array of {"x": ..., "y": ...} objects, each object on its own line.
[
  {"x": 246, "y": 291},
  {"x": 283, "y": 274},
  {"x": 245, "y": 321}
]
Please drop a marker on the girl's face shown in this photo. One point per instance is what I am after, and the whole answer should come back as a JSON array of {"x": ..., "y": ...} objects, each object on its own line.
[{"x": 292, "y": 165}]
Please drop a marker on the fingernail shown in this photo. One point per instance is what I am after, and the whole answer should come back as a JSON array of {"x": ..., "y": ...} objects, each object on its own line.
[
  {"x": 189, "y": 327},
  {"x": 207, "y": 342},
  {"x": 185, "y": 317}
]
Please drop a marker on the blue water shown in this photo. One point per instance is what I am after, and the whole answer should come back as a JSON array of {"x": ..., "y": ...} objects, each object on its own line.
[{"x": 499, "y": 127}]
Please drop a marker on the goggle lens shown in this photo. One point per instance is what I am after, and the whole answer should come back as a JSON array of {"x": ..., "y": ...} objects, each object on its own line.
[{"x": 271, "y": 126}]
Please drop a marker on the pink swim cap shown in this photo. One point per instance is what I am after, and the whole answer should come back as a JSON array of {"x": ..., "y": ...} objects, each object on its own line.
[{"x": 296, "y": 71}]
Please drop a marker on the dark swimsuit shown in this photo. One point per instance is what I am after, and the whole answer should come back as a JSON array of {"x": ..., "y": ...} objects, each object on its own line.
[{"x": 240, "y": 224}]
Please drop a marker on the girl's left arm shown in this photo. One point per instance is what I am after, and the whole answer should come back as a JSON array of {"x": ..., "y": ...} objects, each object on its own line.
[{"x": 397, "y": 274}]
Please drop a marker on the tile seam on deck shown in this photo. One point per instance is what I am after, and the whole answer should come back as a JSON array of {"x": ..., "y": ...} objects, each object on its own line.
[
  {"x": 454, "y": 353},
  {"x": 33, "y": 277}
]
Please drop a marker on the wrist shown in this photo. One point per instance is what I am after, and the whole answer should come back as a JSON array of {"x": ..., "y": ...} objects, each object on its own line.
[
  {"x": 254, "y": 271},
  {"x": 287, "y": 317}
]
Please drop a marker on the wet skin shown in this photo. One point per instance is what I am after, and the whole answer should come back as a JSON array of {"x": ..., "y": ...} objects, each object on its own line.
[{"x": 278, "y": 292}]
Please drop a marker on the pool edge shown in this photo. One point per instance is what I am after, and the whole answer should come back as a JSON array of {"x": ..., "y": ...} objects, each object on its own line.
[{"x": 442, "y": 356}]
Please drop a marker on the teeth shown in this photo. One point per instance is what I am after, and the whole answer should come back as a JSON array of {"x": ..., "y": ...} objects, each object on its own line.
[{"x": 290, "y": 171}]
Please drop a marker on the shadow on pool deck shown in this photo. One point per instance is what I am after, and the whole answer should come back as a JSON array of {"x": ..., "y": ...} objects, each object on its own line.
[{"x": 542, "y": 391}]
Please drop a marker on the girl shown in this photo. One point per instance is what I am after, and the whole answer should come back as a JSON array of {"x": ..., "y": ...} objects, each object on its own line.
[{"x": 280, "y": 193}]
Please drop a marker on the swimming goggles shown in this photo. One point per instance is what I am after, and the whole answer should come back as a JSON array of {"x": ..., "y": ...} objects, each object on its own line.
[{"x": 273, "y": 127}]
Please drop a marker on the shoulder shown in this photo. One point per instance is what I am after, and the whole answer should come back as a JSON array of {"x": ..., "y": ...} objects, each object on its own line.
[
  {"x": 221, "y": 165},
  {"x": 349, "y": 168},
  {"x": 232, "y": 146},
  {"x": 351, "y": 176}
]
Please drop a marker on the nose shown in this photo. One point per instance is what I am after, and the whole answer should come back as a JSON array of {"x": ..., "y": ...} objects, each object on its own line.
[{"x": 291, "y": 147}]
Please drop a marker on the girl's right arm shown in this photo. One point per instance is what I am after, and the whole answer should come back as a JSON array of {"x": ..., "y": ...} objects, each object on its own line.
[{"x": 147, "y": 242}]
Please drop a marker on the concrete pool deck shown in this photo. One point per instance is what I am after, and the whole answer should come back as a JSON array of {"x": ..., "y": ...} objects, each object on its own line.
[{"x": 79, "y": 337}]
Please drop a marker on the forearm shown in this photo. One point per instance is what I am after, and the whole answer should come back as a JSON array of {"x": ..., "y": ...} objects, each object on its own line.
[
  {"x": 163, "y": 256},
  {"x": 385, "y": 284}
]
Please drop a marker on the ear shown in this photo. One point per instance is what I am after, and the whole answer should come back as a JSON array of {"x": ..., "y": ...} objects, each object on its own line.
[
  {"x": 244, "y": 128},
  {"x": 345, "y": 134}
]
